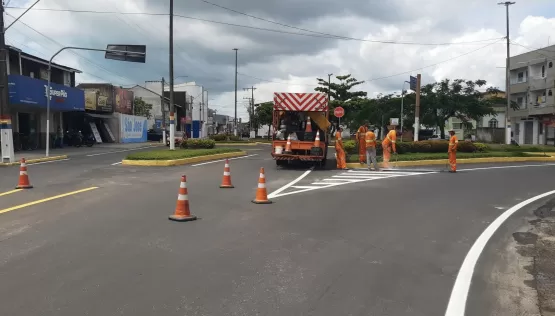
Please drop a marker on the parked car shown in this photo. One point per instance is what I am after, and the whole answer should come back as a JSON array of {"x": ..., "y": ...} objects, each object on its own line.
[
  {"x": 155, "y": 135},
  {"x": 438, "y": 137}
]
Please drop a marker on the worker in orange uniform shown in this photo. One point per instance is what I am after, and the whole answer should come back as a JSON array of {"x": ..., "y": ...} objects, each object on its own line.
[
  {"x": 360, "y": 137},
  {"x": 339, "y": 150},
  {"x": 452, "y": 151},
  {"x": 370, "y": 140},
  {"x": 388, "y": 145}
]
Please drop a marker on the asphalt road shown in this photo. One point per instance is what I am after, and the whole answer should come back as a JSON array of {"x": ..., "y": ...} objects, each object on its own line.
[{"x": 343, "y": 243}]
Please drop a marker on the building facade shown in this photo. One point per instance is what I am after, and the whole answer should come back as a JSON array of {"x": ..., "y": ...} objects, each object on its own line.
[
  {"x": 532, "y": 82},
  {"x": 27, "y": 87}
]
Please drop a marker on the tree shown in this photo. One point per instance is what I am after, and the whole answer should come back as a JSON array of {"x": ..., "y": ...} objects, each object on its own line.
[
  {"x": 265, "y": 114},
  {"x": 341, "y": 95},
  {"x": 458, "y": 98},
  {"x": 141, "y": 108}
]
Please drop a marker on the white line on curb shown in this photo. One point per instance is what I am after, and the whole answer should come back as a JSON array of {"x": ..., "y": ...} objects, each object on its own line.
[{"x": 459, "y": 295}]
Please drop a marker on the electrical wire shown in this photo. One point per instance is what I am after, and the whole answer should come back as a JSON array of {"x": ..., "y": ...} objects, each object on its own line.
[
  {"x": 73, "y": 52},
  {"x": 329, "y": 36},
  {"x": 380, "y": 78}
]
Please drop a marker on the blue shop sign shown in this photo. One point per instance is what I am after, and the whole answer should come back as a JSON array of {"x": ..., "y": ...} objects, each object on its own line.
[{"x": 31, "y": 91}]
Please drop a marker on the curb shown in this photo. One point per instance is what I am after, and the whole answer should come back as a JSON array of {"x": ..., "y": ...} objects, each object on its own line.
[
  {"x": 179, "y": 162},
  {"x": 30, "y": 161},
  {"x": 459, "y": 161}
]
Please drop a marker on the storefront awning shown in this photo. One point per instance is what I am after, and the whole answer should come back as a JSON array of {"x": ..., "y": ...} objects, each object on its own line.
[{"x": 104, "y": 116}]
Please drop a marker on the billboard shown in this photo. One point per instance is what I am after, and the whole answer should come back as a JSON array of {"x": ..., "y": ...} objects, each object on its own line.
[
  {"x": 98, "y": 97},
  {"x": 133, "y": 129},
  {"x": 124, "y": 100},
  {"x": 30, "y": 91}
]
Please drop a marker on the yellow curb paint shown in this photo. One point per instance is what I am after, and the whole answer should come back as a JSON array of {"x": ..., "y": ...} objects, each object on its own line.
[
  {"x": 459, "y": 161},
  {"x": 179, "y": 162},
  {"x": 13, "y": 208},
  {"x": 53, "y": 158},
  {"x": 10, "y": 192}
]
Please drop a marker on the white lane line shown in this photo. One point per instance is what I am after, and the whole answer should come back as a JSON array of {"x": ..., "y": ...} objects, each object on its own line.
[
  {"x": 459, "y": 295},
  {"x": 117, "y": 163},
  {"x": 303, "y": 186},
  {"x": 506, "y": 167},
  {"x": 358, "y": 177},
  {"x": 43, "y": 162},
  {"x": 285, "y": 187},
  {"x": 120, "y": 151},
  {"x": 214, "y": 161}
]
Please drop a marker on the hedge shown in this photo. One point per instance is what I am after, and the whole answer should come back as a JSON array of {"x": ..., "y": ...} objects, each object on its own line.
[
  {"x": 440, "y": 156},
  {"x": 198, "y": 144},
  {"x": 225, "y": 137},
  {"x": 166, "y": 154},
  {"x": 426, "y": 146}
]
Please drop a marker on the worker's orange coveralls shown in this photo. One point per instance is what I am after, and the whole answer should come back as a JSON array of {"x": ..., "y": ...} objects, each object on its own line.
[
  {"x": 452, "y": 152},
  {"x": 360, "y": 136},
  {"x": 340, "y": 152},
  {"x": 388, "y": 144}
]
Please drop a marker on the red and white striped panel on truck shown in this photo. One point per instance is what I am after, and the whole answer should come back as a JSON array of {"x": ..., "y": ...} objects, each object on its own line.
[{"x": 288, "y": 101}]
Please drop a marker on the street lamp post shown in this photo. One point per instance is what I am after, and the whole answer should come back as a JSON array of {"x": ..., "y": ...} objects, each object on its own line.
[
  {"x": 48, "y": 96},
  {"x": 402, "y": 106},
  {"x": 507, "y": 77},
  {"x": 235, "y": 118}
]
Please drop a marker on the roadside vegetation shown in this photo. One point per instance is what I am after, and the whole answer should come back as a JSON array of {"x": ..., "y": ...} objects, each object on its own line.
[{"x": 178, "y": 153}]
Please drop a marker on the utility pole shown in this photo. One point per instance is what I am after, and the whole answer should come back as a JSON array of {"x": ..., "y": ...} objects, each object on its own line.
[
  {"x": 252, "y": 88},
  {"x": 200, "y": 114},
  {"x": 6, "y": 135},
  {"x": 172, "y": 110},
  {"x": 235, "y": 119},
  {"x": 417, "y": 108},
  {"x": 507, "y": 77},
  {"x": 163, "y": 106}
]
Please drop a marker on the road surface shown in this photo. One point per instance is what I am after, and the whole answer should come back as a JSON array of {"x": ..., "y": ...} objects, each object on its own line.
[{"x": 332, "y": 243}]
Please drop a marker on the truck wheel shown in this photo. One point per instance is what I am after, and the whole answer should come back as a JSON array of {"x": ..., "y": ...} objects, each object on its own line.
[{"x": 281, "y": 162}]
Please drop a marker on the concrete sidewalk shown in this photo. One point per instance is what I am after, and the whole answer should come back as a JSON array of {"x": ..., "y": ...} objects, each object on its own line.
[{"x": 74, "y": 151}]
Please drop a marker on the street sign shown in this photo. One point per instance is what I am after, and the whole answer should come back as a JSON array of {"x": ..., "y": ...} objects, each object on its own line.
[
  {"x": 412, "y": 83},
  {"x": 394, "y": 121},
  {"x": 130, "y": 53},
  {"x": 339, "y": 112}
]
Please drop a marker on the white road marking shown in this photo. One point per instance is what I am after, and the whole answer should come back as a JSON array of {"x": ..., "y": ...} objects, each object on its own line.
[
  {"x": 117, "y": 163},
  {"x": 348, "y": 177},
  {"x": 506, "y": 167},
  {"x": 214, "y": 161},
  {"x": 459, "y": 295},
  {"x": 120, "y": 151},
  {"x": 43, "y": 162},
  {"x": 285, "y": 187}
]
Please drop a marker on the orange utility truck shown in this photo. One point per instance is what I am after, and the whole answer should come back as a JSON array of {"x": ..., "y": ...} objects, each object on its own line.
[{"x": 300, "y": 128}]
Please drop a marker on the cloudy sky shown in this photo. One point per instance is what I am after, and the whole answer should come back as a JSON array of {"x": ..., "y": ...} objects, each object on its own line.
[{"x": 285, "y": 45}]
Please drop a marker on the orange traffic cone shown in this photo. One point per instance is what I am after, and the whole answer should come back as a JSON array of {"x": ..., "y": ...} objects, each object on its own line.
[
  {"x": 288, "y": 145},
  {"x": 261, "y": 194},
  {"x": 317, "y": 140},
  {"x": 23, "y": 176},
  {"x": 226, "y": 180},
  {"x": 182, "y": 212},
  {"x": 308, "y": 128}
]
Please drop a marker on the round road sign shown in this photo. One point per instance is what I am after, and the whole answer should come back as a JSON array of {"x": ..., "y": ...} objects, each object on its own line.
[{"x": 339, "y": 112}]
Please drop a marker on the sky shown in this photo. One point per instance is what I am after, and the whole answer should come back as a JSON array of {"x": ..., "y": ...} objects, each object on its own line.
[{"x": 284, "y": 45}]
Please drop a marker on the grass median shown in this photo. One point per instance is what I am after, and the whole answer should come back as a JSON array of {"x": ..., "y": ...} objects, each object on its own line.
[
  {"x": 439, "y": 156},
  {"x": 166, "y": 154}
]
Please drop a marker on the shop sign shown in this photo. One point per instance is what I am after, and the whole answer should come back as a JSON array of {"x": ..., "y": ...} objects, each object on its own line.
[
  {"x": 31, "y": 91},
  {"x": 133, "y": 128}
]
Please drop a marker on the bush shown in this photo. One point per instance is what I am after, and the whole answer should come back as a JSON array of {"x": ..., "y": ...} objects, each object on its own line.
[
  {"x": 234, "y": 138},
  {"x": 165, "y": 154},
  {"x": 219, "y": 137},
  {"x": 198, "y": 144},
  {"x": 420, "y": 147},
  {"x": 350, "y": 146},
  {"x": 481, "y": 147}
]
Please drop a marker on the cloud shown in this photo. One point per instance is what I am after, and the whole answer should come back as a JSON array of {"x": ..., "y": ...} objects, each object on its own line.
[{"x": 274, "y": 61}]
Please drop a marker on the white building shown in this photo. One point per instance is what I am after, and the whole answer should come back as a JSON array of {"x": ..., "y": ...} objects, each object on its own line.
[{"x": 198, "y": 108}]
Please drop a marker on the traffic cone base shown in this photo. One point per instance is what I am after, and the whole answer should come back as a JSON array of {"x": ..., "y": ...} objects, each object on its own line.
[
  {"x": 181, "y": 218},
  {"x": 227, "y": 186},
  {"x": 262, "y": 202},
  {"x": 23, "y": 177},
  {"x": 182, "y": 211}
]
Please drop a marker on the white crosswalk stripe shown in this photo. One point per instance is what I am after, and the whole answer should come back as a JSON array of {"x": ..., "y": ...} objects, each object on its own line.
[{"x": 350, "y": 176}]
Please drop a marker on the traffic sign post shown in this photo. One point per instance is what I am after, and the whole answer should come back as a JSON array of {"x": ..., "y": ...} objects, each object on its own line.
[{"x": 339, "y": 112}]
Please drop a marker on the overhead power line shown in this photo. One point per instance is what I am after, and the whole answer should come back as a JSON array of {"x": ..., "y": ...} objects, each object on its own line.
[
  {"x": 328, "y": 36},
  {"x": 384, "y": 77}
]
